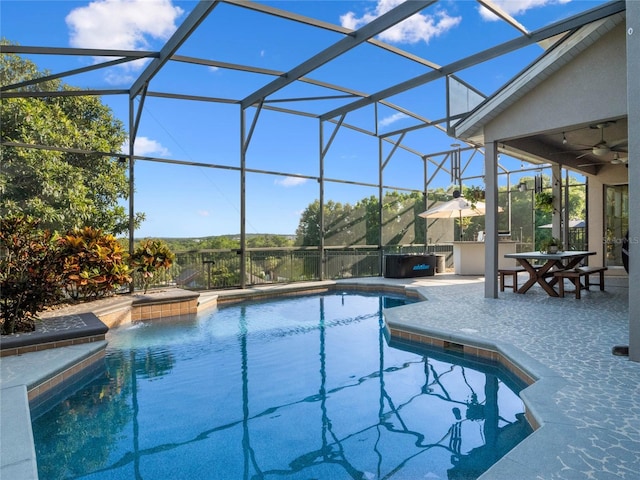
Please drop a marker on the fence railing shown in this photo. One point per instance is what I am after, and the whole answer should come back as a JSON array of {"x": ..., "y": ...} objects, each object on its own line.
[{"x": 217, "y": 269}]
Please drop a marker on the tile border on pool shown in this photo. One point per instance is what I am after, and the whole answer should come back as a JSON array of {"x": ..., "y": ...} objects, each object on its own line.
[
  {"x": 543, "y": 382},
  {"x": 467, "y": 350}
]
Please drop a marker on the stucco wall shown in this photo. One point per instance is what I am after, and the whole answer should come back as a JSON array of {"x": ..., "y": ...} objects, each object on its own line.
[{"x": 592, "y": 86}]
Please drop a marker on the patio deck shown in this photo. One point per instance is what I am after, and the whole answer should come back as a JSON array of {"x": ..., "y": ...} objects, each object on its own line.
[{"x": 586, "y": 400}]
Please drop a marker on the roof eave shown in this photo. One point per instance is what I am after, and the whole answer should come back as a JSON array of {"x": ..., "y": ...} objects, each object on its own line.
[{"x": 471, "y": 128}]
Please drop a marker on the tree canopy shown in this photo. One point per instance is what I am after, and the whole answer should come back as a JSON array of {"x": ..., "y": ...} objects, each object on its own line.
[
  {"x": 359, "y": 224},
  {"x": 64, "y": 190}
]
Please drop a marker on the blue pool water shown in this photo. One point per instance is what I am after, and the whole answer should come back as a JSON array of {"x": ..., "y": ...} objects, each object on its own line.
[{"x": 298, "y": 388}]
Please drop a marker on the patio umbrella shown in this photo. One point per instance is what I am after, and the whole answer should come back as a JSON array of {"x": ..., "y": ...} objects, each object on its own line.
[{"x": 457, "y": 208}]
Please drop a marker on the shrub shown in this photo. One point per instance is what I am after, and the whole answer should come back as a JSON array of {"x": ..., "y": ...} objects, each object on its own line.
[
  {"x": 94, "y": 263},
  {"x": 149, "y": 257},
  {"x": 30, "y": 273}
]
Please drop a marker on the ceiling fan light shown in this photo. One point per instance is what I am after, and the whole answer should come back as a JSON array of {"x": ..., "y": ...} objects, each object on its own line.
[
  {"x": 617, "y": 159},
  {"x": 600, "y": 150}
]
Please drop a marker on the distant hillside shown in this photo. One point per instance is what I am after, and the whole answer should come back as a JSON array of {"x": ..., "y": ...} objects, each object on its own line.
[
  {"x": 229, "y": 241},
  {"x": 231, "y": 236}
]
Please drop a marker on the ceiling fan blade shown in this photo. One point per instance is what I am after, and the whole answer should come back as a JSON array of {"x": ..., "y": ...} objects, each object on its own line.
[
  {"x": 572, "y": 151},
  {"x": 623, "y": 142},
  {"x": 617, "y": 160},
  {"x": 593, "y": 164}
]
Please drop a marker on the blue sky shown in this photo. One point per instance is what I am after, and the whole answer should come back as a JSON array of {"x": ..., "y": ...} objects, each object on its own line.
[{"x": 198, "y": 201}]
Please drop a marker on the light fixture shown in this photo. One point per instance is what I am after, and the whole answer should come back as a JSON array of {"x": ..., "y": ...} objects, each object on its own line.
[
  {"x": 617, "y": 160},
  {"x": 600, "y": 150},
  {"x": 564, "y": 139}
]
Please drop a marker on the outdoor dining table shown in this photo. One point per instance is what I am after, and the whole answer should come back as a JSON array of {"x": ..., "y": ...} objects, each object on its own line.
[{"x": 553, "y": 262}]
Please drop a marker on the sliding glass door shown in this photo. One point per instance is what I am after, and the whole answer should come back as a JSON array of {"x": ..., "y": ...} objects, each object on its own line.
[{"x": 616, "y": 221}]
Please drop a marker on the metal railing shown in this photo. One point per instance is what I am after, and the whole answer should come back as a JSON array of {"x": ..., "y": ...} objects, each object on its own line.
[{"x": 218, "y": 269}]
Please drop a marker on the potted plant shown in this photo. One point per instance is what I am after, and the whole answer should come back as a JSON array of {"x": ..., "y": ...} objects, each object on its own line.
[
  {"x": 553, "y": 245},
  {"x": 150, "y": 257}
]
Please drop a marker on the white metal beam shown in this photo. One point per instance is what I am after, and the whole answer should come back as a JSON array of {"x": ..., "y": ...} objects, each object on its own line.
[
  {"x": 85, "y": 52},
  {"x": 375, "y": 27},
  {"x": 68, "y": 73},
  {"x": 197, "y": 15},
  {"x": 327, "y": 26},
  {"x": 496, "y": 10}
]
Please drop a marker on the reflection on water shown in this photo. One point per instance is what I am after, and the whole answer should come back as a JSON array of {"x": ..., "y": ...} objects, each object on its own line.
[{"x": 298, "y": 388}]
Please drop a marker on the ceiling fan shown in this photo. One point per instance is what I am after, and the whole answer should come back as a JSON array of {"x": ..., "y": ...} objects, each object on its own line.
[
  {"x": 616, "y": 160},
  {"x": 602, "y": 148}
]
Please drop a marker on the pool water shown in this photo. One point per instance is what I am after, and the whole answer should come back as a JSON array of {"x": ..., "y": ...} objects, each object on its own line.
[{"x": 298, "y": 388}]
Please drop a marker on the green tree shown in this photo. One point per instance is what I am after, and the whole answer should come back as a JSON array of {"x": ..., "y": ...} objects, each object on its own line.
[
  {"x": 262, "y": 241},
  {"x": 64, "y": 190},
  {"x": 341, "y": 224},
  {"x": 359, "y": 224},
  {"x": 308, "y": 231},
  {"x": 400, "y": 221}
]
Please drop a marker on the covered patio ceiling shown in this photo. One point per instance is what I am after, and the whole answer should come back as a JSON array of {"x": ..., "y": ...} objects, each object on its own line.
[{"x": 586, "y": 148}]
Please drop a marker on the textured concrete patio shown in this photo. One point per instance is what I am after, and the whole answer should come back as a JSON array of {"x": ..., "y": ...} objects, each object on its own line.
[{"x": 586, "y": 400}]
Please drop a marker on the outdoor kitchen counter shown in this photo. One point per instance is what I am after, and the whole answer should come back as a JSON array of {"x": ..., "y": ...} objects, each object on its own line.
[{"x": 468, "y": 257}]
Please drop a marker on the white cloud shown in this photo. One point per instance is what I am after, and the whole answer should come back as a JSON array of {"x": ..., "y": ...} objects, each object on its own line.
[
  {"x": 385, "y": 122},
  {"x": 122, "y": 25},
  {"x": 290, "y": 181},
  {"x": 516, "y": 7},
  {"x": 146, "y": 146},
  {"x": 418, "y": 27},
  {"x": 204, "y": 213},
  {"x": 118, "y": 77}
]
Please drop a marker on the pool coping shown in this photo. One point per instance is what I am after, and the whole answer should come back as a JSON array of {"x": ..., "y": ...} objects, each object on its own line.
[
  {"x": 89, "y": 328},
  {"x": 551, "y": 426},
  {"x": 23, "y": 376}
]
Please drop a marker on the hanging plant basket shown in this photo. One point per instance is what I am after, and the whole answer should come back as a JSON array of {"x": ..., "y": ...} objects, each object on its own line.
[
  {"x": 544, "y": 202},
  {"x": 475, "y": 194}
]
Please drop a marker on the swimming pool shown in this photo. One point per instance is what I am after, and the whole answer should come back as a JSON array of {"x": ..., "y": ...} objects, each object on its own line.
[{"x": 297, "y": 388}]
